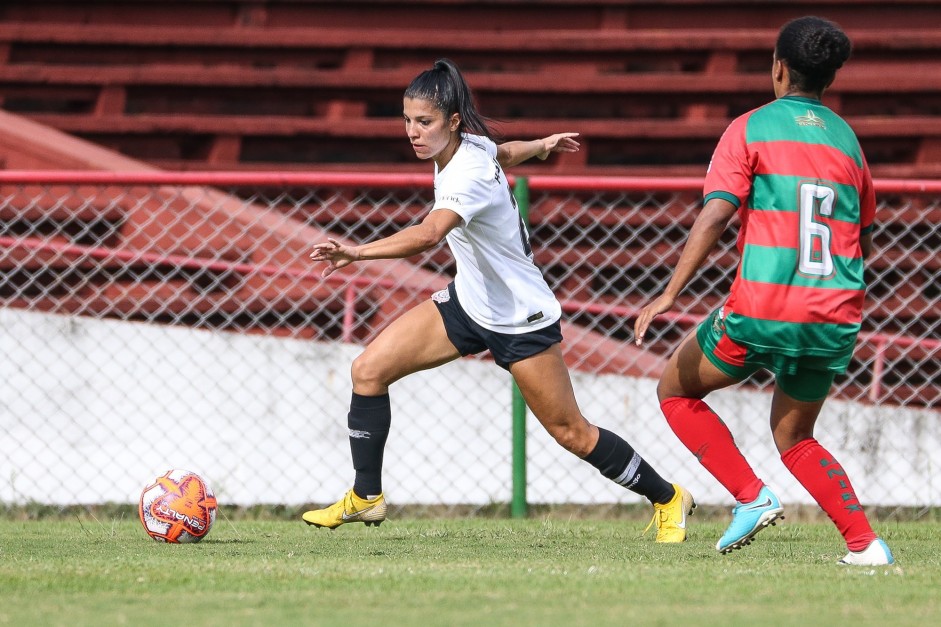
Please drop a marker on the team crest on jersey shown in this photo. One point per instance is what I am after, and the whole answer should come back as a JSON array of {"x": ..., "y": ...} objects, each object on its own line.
[
  {"x": 811, "y": 119},
  {"x": 718, "y": 321}
]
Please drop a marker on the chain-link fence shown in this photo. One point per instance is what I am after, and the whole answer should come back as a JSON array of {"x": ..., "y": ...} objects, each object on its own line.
[{"x": 169, "y": 320}]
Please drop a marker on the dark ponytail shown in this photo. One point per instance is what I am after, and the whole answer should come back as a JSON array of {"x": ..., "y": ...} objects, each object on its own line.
[
  {"x": 444, "y": 85},
  {"x": 814, "y": 49}
]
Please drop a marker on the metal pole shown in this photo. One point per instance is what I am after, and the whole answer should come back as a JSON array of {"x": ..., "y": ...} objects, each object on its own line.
[{"x": 519, "y": 506}]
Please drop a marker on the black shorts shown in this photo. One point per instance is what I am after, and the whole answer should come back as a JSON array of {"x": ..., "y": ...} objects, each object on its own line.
[{"x": 470, "y": 338}]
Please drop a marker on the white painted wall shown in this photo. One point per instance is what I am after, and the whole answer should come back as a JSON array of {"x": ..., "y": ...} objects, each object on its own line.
[{"x": 92, "y": 410}]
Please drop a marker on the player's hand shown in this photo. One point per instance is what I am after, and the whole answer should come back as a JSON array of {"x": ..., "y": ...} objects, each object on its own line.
[
  {"x": 560, "y": 142},
  {"x": 335, "y": 254},
  {"x": 663, "y": 304}
]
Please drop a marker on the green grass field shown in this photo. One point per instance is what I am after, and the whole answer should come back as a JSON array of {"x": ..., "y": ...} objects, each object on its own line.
[{"x": 94, "y": 571}]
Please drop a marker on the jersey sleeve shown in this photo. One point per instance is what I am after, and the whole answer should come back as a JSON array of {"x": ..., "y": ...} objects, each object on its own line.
[
  {"x": 488, "y": 144},
  {"x": 730, "y": 171},
  {"x": 867, "y": 202},
  {"x": 467, "y": 189}
]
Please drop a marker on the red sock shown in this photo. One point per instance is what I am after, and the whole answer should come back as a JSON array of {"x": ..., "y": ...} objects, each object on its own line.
[
  {"x": 707, "y": 437},
  {"x": 825, "y": 479}
]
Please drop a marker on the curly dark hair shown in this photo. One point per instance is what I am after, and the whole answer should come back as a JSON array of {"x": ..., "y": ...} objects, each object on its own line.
[{"x": 813, "y": 49}]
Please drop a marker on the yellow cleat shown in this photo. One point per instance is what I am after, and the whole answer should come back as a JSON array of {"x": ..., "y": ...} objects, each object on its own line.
[
  {"x": 349, "y": 509},
  {"x": 671, "y": 517}
]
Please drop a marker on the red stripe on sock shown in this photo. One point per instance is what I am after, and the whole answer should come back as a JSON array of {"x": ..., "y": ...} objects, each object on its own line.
[
  {"x": 707, "y": 437},
  {"x": 826, "y": 481}
]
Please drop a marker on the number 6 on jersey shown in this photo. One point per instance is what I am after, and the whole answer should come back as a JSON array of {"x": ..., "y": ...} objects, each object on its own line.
[{"x": 814, "y": 257}]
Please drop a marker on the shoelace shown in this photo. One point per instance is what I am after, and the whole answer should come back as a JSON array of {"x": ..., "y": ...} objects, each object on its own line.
[
  {"x": 348, "y": 504},
  {"x": 656, "y": 512}
]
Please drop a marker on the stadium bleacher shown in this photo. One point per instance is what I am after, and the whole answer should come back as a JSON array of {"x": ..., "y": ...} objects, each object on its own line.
[{"x": 290, "y": 84}]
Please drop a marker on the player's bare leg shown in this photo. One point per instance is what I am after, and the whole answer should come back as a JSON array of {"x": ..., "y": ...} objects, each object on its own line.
[
  {"x": 546, "y": 386},
  {"x": 792, "y": 424},
  {"x": 687, "y": 378},
  {"x": 792, "y": 421},
  {"x": 689, "y": 374},
  {"x": 415, "y": 341}
]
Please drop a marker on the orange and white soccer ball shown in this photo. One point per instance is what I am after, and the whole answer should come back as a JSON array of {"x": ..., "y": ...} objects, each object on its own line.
[{"x": 178, "y": 507}]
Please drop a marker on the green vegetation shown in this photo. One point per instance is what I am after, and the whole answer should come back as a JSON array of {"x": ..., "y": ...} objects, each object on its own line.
[{"x": 88, "y": 570}]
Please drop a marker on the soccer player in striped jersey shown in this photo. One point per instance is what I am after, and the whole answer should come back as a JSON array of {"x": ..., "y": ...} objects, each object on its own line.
[
  {"x": 498, "y": 301},
  {"x": 794, "y": 172}
]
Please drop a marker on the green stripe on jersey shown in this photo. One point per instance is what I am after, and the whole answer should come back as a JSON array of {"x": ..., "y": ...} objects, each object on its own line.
[
  {"x": 795, "y": 339},
  {"x": 766, "y": 196},
  {"x": 804, "y": 120},
  {"x": 768, "y": 264}
]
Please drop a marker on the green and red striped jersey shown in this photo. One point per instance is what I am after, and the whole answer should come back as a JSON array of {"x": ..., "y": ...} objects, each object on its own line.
[{"x": 804, "y": 194}]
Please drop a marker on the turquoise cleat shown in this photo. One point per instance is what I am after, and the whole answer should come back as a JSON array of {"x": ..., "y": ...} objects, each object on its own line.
[{"x": 750, "y": 518}]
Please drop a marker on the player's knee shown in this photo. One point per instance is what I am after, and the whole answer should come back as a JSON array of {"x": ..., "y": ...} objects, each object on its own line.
[
  {"x": 666, "y": 390},
  {"x": 574, "y": 438},
  {"x": 786, "y": 439},
  {"x": 367, "y": 376}
]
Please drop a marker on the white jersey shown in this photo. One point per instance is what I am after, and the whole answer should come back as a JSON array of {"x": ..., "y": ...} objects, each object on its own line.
[{"x": 497, "y": 283}]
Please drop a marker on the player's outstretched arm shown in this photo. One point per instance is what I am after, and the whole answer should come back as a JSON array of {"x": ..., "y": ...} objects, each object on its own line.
[
  {"x": 335, "y": 254},
  {"x": 516, "y": 152},
  {"x": 407, "y": 242},
  {"x": 706, "y": 231}
]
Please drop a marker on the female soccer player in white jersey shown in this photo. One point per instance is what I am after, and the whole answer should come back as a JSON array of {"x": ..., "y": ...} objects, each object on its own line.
[{"x": 498, "y": 301}]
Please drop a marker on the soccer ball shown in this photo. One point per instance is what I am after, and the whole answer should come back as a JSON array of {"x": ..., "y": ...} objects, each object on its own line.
[{"x": 179, "y": 507}]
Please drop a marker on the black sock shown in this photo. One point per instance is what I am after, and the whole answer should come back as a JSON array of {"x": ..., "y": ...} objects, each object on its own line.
[
  {"x": 619, "y": 462},
  {"x": 369, "y": 420}
]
